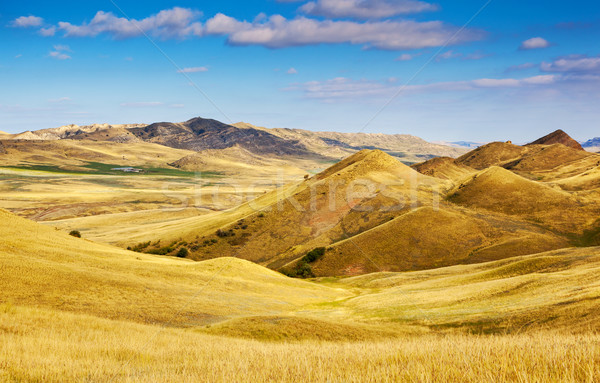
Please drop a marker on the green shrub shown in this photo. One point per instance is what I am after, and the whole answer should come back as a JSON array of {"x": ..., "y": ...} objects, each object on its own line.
[
  {"x": 139, "y": 247},
  {"x": 301, "y": 270},
  {"x": 225, "y": 233},
  {"x": 75, "y": 233},
  {"x": 182, "y": 253},
  {"x": 314, "y": 255}
]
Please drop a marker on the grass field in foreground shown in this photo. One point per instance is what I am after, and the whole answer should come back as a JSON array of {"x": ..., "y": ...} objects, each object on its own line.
[
  {"x": 51, "y": 346},
  {"x": 72, "y": 310}
]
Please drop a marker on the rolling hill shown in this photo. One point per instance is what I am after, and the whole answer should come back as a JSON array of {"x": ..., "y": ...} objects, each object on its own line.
[
  {"x": 46, "y": 268},
  {"x": 372, "y": 213},
  {"x": 443, "y": 167},
  {"x": 558, "y": 137},
  {"x": 500, "y": 190}
]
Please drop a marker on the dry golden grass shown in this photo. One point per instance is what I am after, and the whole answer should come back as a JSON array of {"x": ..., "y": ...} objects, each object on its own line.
[
  {"x": 421, "y": 241},
  {"x": 443, "y": 167},
  {"x": 553, "y": 290},
  {"x": 500, "y": 190},
  {"x": 45, "y": 268},
  {"x": 74, "y": 310},
  {"x": 50, "y": 346}
]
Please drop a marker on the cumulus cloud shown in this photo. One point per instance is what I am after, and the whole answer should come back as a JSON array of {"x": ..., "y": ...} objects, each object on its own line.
[
  {"x": 573, "y": 65},
  {"x": 193, "y": 69},
  {"x": 27, "y": 22},
  {"x": 59, "y": 55},
  {"x": 279, "y": 32},
  {"x": 292, "y": 71},
  {"x": 365, "y": 9},
  {"x": 47, "y": 32},
  {"x": 170, "y": 23},
  {"x": 345, "y": 88},
  {"x": 534, "y": 43},
  {"x": 405, "y": 57}
]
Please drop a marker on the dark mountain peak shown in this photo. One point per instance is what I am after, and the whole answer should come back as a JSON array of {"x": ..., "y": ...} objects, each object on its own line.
[
  {"x": 557, "y": 137},
  {"x": 202, "y": 133}
]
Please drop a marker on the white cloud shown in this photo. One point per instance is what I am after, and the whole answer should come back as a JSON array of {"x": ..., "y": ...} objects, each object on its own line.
[
  {"x": 279, "y": 32},
  {"x": 541, "y": 80},
  {"x": 47, "y": 32},
  {"x": 27, "y": 21},
  {"x": 342, "y": 87},
  {"x": 345, "y": 88},
  {"x": 292, "y": 71},
  {"x": 18, "y": 56},
  {"x": 405, "y": 57},
  {"x": 170, "y": 23},
  {"x": 573, "y": 65},
  {"x": 141, "y": 104},
  {"x": 365, "y": 9},
  {"x": 448, "y": 55},
  {"x": 221, "y": 24},
  {"x": 59, "y": 55},
  {"x": 193, "y": 70},
  {"x": 534, "y": 43},
  {"x": 64, "y": 48}
]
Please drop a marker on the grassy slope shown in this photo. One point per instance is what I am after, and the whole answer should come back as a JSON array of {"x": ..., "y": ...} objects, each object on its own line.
[
  {"x": 321, "y": 210},
  {"x": 69, "y": 310},
  {"x": 421, "y": 240},
  {"x": 501, "y": 190},
  {"x": 45, "y": 268},
  {"x": 557, "y": 289},
  {"x": 443, "y": 167}
]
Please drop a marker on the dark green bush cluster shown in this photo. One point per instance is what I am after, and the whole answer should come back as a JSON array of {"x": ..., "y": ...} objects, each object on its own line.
[
  {"x": 75, "y": 233},
  {"x": 161, "y": 250},
  {"x": 225, "y": 233},
  {"x": 240, "y": 225},
  {"x": 139, "y": 247},
  {"x": 313, "y": 255},
  {"x": 182, "y": 253},
  {"x": 302, "y": 268}
]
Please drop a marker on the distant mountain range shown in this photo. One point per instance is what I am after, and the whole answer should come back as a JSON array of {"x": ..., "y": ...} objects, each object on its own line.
[
  {"x": 200, "y": 134},
  {"x": 592, "y": 145}
]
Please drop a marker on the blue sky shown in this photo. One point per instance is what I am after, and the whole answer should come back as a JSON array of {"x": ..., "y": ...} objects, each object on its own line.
[{"x": 446, "y": 70}]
